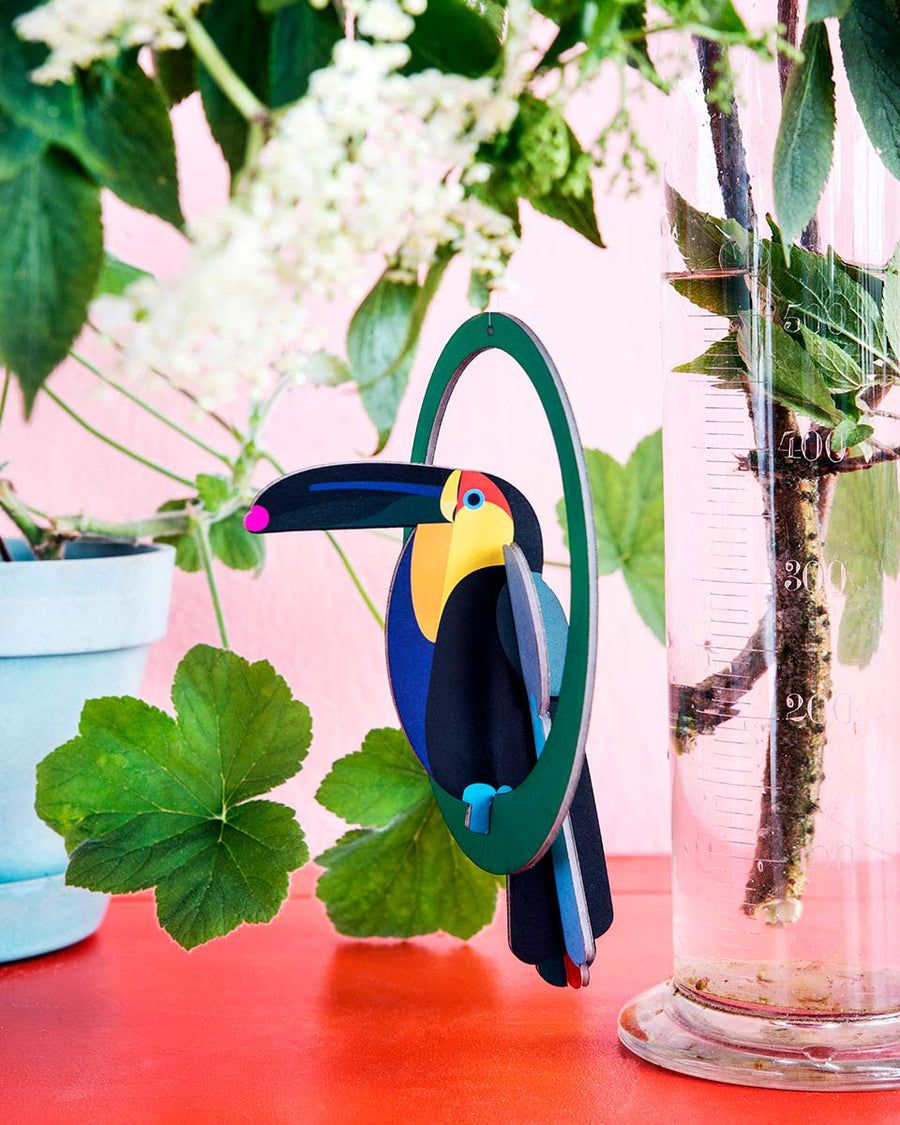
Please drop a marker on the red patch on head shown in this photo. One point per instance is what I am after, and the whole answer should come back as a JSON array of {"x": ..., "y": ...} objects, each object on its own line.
[{"x": 469, "y": 480}]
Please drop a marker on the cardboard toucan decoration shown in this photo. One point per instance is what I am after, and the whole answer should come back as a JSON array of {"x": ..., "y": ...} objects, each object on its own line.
[{"x": 492, "y": 685}]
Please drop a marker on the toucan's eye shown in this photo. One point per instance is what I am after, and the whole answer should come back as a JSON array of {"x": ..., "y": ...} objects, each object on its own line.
[{"x": 473, "y": 498}]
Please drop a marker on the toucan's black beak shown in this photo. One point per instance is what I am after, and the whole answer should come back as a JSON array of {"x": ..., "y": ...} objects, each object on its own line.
[{"x": 366, "y": 494}]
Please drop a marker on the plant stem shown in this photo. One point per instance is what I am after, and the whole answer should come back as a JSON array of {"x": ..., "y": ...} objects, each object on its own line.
[
  {"x": 20, "y": 516},
  {"x": 114, "y": 444},
  {"x": 231, "y": 84},
  {"x": 370, "y": 605},
  {"x": 206, "y": 555},
  {"x": 165, "y": 523},
  {"x": 348, "y": 566},
  {"x": 144, "y": 405}
]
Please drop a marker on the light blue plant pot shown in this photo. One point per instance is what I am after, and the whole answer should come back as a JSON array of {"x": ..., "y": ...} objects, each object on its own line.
[{"x": 70, "y": 630}]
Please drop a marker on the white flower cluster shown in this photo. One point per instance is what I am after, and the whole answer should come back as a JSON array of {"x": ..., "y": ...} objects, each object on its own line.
[
  {"x": 370, "y": 166},
  {"x": 78, "y": 32}
]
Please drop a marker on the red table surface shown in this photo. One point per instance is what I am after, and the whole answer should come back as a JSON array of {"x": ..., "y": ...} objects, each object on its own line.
[{"x": 292, "y": 1023}]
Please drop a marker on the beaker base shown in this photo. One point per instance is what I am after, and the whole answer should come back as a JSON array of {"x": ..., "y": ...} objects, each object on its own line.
[{"x": 666, "y": 1027}]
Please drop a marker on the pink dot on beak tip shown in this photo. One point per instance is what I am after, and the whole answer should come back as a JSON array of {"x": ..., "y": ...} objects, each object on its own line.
[{"x": 257, "y": 519}]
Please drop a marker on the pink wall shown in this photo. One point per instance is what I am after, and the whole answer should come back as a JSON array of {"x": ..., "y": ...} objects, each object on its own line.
[{"x": 598, "y": 313}]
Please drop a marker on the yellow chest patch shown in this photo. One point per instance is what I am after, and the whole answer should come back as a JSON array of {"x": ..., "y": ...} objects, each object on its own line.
[{"x": 444, "y": 554}]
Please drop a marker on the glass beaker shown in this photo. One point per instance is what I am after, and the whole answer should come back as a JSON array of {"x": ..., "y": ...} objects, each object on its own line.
[{"x": 782, "y": 423}]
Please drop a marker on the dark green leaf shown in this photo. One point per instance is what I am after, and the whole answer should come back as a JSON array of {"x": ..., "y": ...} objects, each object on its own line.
[
  {"x": 146, "y": 800},
  {"x": 19, "y": 145},
  {"x": 176, "y": 73},
  {"x": 233, "y": 545},
  {"x": 826, "y": 9},
  {"x": 838, "y": 368},
  {"x": 303, "y": 38},
  {"x": 129, "y": 137},
  {"x": 382, "y": 340},
  {"x": 709, "y": 246},
  {"x": 457, "y": 37},
  {"x": 817, "y": 292},
  {"x": 403, "y": 874},
  {"x": 628, "y": 514},
  {"x": 803, "y": 151},
  {"x": 270, "y": 6},
  {"x": 242, "y": 34},
  {"x": 891, "y": 301},
  {"x": 781, "y": 368},
  {"x": 721, "y": 361},
  {"x": 848, "y": 434},
  {"x": 870, "y": 42},
  {"x": 187, "y": 549},
  {"x": 50, "y": 255},
  {"x": 116, "y": 276},
  {"x": 864, "y": 535},
  {"x": 54, "y": 112}
]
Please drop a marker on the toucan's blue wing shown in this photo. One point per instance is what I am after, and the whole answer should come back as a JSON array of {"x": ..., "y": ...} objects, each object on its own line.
[
  {"x": 409, "y": 656},
  {"x": 537, "y": 621}
]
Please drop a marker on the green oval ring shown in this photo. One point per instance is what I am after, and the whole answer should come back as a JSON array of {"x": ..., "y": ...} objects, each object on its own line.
[{"x": 524, "y": 823}]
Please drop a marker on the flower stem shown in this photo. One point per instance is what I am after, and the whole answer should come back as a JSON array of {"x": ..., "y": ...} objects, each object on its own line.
[
  {"x": 232, "y": 86},
  {"x": 114, "y": 444},
  {"x": 165, "y": 523},
  {"x": 144, "y": 405},
  {"x": 206, "y": 555}
]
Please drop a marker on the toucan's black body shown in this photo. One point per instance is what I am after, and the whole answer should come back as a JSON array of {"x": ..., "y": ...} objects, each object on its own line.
[{"x": 453, "y": 657}]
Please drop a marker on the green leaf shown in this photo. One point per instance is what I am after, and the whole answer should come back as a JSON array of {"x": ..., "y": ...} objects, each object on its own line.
[
  {"x": 303, "y": 38},
  {"x": 19, "y": 145},
  {"x": 825, "y": 10},
  {"x": 628, "y": 514},
  {"x": 116, "y": 276},
  {"x": 781, "y": 368},
  {"x": 402, "y": 874},
  {"x": 50, "y": 255},
  {"x": 815, "y": 291},
  {"x": 233, "y": 544},
  {"x": 176, "y": 73},
  {"x": 456, "y": 37},
  {"x": 242, "y": 34},
  {"x": 891, "y": 300},
  {"x": 848, "y": 434},
  {"x": 864, "y": 535},
  {"x": 708, "y": 245},
  {"x": 187, "y": 549},
  {"x": 722, "y": 361},
  {"x": 144, "y": 800},
  {"x": 129, "y": 137},
  {"x": 213, "y": 491},
  {"x": 382, "y": 341},
  {"x": 870, "y": 43},
  {"x": 53, "y": 112},
  {"x": 840, "y": 370},
  {"x": 805, "y": 145},
  {"x": 544, "y": 163}
]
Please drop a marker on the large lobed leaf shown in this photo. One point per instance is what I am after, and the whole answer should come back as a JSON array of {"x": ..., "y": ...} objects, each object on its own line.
[
  {"x": 145, "y": 800},
  {"x": 628, "y": 515},
  {"x": 401, "y": 874}
]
